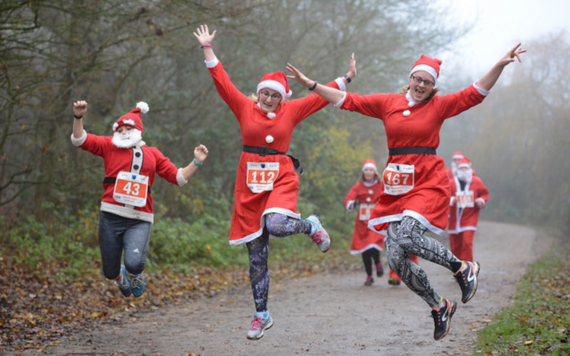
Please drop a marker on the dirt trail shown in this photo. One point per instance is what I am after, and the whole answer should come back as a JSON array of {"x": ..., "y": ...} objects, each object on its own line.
[{"x": 328, "y": 314}]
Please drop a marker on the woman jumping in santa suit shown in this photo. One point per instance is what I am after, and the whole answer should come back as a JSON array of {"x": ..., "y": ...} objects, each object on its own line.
[
  {"x": 266, "y": 183},
  {"x": 126, "y": 206},
  {"x": 416, "y": 188}
]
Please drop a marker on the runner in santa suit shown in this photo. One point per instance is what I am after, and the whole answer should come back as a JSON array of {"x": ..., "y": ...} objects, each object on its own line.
[
  {"x": 126, "y": 206},
  {"x": 367, "y": 241},
  {"x": 468, "y": 196},
  {"x": 416, "y": 188},
  {"x": 364, "y": 195},
  {"x": 451, "y": 171},
  {"x": 266, "y": 183}
]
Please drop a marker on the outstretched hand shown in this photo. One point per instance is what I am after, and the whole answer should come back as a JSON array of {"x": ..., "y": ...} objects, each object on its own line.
[
  {"x": 352, "y": 71},
  {"x": 203, "y": 35},
  {"x": 79, "y": 108},
  {"x": 201, "y": 153},
  {"x": 510, "y": 56},
  {"x": 299, "y": 77}
]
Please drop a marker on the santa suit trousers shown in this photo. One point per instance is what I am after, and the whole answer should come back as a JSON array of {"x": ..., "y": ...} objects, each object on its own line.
[{"x": 461, "y": 244}]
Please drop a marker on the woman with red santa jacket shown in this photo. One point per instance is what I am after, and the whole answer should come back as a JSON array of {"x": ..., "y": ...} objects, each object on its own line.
[
  {"x": 468, "y": 196},
  {"x": 126, "y": 206},
  {"x": 266, "y": 183},
  {"x": 369, "y": 243},
  {"x": 416, "y": 188}
]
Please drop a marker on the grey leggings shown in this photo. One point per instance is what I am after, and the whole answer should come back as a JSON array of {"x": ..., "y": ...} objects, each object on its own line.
[{"x": 406, "y": 237}]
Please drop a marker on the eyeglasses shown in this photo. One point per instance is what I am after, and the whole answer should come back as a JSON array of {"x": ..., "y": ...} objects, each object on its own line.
[
  {"x": 265, "y": 95},
  {"x": 427, "y": 83}
]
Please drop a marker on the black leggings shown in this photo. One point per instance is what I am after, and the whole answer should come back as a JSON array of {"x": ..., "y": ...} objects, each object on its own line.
[
  {"x": 406, "y": 237},
  {"x": 368, "y": 256}
]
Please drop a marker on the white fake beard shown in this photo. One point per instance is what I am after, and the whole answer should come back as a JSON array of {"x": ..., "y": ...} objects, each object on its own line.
[
  {"x": 465, "y": 176},
  {"x": 127, "y": 141}
]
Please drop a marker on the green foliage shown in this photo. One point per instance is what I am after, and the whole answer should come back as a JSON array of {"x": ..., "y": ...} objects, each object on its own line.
[{"x": 539, "y": 321}]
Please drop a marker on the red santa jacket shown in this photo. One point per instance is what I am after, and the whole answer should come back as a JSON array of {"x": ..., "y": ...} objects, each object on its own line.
[
  {"x": 463, "y": 211},
  {"x": 366, "y": 195},
  {"x": 123, "y": 160}
]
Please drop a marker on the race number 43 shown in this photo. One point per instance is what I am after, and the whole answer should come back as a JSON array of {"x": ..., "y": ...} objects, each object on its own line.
[
  {"x": 131, "y": 189},
  {"x": 398, "y": 178}
]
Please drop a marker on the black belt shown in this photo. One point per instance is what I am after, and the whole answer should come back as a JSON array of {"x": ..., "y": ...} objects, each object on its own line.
[
  {"x": 113, "y": 180},
  {"x": 411, "y": 151},
  {"x": 264, "y": 151}
]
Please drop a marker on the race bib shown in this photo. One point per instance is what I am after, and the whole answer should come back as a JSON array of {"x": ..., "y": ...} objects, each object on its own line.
[
  {"x": 465, "y": 199},
  {"x": 261, "y": 175},
  {"x": 364, "y": 211},
  {"x": 131, "y": 189},
  {"x": 398, "y": 178}
]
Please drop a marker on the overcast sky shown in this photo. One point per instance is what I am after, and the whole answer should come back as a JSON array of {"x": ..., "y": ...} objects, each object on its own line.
[{"x": 501, "y": 25}]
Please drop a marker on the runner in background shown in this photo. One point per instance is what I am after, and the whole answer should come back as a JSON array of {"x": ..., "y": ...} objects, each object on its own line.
[
  {"x": 126, "y": 206},
  {"x": 416, "y": 188},
  {"x": 452, "y": 171},
  {"x": 266, "y": 184},
  {"x": 364, "y": 195},
  {"x": 468, "y": 196}
]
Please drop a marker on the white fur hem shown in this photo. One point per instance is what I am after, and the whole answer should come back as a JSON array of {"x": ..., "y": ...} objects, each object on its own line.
[
  {"x": 356, "y": 252},
  {"x": 462, "y": 229},
  {"x": 79, "y": 141},
  {"x": 399, "y": 217},
  {"x": 258, "y": 233}
]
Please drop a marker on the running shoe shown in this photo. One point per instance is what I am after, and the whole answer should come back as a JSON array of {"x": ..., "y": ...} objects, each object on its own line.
[
  {"x": 259, "y": 325},
  {"x": 138, "y": 284},
  {"x": 442, "y": 319},
  {"x": 379, "y": 269},
  {"x": 319, "y": 235},
  {"x": 467, "y": 279},
  {"x": 125, "y": 285},
  {"x": 369, "y": 281},
  {"x": 393, "y": 281}
]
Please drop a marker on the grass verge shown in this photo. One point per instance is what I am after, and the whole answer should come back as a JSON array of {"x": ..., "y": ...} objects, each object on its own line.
[{"x": 539, "y": 321}]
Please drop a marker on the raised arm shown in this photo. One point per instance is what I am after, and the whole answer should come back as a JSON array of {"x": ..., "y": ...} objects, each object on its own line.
[
  {"x": 332, "y": 95},
  {"x": 79, "y": 110},
  {"x": 200, "y": 155},
  {"x": 489, "y": 79},
  {"x": 205, "y": 38}
]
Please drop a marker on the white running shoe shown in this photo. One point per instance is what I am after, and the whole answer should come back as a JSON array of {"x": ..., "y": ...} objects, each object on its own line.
[
  {"x": 319, "y": 235},
  {"x": 259, "y": 325}
]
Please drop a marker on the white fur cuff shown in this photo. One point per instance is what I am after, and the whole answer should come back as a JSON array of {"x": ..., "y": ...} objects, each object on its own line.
[
  {"x": 79, "y": 141},
  {"x": 340, "y": 83},
  {"x": 180, "y": 178},
  {"x": 212, "y": 64},
  {"x": 339, "y": 104}
]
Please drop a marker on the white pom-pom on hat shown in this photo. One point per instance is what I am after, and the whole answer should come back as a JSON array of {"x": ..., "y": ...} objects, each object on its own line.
[{"x": 143, "y": 106}]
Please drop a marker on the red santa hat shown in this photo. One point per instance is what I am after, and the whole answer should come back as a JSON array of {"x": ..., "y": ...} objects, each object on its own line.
[
  {"x": 465, "y": 162},
  {"x": 276, "y": 81},
  {"x": 369, "y": 163},
  {"x": 133, "y": 118},
  {"x": 457, "y": 155},
  {"x": 429, "y": 65}
]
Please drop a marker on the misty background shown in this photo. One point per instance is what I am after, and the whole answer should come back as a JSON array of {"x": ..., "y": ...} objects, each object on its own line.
[{"x": 115, "y": 53}]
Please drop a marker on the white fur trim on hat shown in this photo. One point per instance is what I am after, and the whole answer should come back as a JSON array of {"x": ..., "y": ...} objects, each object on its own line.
[
  {"x": 427, "y": 69},
  {"x": 460, "y": 165},
  {"x": 143, "y": 106},
  {"x": 369, "y": 165},
  {"x": 272, "y": 84},
  {"x": 457, "y": 156}
]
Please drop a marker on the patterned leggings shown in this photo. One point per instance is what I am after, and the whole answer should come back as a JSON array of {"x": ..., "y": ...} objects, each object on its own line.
[
  {"x": 406, "y": 237},
  {"x": 278, "y": 225}
]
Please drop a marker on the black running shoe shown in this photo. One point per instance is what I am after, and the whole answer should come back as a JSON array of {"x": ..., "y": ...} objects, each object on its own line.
[
  {"x": 442, "y": 319},
  {"x": 467, "y": 279}
]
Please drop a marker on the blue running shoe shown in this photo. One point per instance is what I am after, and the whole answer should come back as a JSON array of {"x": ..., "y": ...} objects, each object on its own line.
[
  {"x": 125, "y": 285},
  {"x": 259, "y": 325},
  {"x": 138, "y": 284},
  {"x": 318, "y": 233}
]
